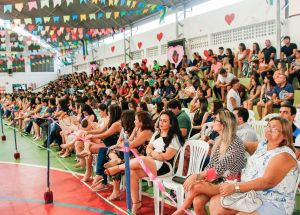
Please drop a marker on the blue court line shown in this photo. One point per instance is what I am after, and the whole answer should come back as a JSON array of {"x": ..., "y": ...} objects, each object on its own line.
[{"x": 63, "y": 204}]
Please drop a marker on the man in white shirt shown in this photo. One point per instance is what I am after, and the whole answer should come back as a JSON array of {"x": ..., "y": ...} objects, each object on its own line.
[
  {"x": 233, "y": 97},
  {"x": 223, "y": 84}
]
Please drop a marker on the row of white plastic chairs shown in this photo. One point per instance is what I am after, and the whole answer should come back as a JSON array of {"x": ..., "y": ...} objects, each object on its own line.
[{"x": 198, "y": 154}]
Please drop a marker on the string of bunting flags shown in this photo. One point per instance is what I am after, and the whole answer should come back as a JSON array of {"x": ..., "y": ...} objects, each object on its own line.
[
  {"x": 31, "y": 5},
  {"x": 19, "y": 62},
  {"x": 38, "y": 20}
]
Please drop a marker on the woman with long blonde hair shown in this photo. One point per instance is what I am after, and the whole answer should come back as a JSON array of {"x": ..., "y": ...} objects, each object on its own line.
[
  {"x": 271, "y": 171},
  {"x": 226, "y": 163}
]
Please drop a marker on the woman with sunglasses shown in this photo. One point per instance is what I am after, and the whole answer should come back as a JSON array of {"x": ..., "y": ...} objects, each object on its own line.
[
  {"x": 226, "y": 163},
  {"x": 271, "y": 171}
]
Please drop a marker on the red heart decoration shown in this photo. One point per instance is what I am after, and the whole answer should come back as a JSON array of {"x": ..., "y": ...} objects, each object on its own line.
[
  {"x": 229, "y": 18},
  {"x": 112, "y": 48},
  {"x": 122, "y": 65},
  {"x": 30, "y": 27},
  {"x": 159, "y": 36},
  {"x": 140, "y": 44},
  {"x": 206, "y": 53}
]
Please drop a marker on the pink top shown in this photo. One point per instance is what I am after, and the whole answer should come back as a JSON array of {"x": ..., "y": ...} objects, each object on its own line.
[{"x": 216, "y": 67}]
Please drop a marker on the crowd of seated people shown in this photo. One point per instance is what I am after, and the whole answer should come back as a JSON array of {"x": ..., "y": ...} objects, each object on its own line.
[{"x": 157, "y": 109}]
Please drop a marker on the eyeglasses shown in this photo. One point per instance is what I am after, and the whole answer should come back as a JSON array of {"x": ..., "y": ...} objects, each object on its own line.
[{"x": 273, "y": 130}]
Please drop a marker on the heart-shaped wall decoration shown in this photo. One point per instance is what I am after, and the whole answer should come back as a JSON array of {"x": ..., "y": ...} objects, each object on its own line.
[
  {"x": 229, "y": 18},
  {"x": 140, "y": 44},
  {"x": 175, "y": 54},
  {"x": 112, "y": 48},
  {"x": 122, "y": 65},
  {"x": 159, "y": 36}
]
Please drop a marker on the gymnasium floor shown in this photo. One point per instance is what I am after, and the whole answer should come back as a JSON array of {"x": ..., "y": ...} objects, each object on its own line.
[{"x": 23, "y": 183}]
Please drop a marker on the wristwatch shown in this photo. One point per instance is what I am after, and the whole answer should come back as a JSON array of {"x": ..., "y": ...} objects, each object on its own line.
[{"x": 237, "y": 187}]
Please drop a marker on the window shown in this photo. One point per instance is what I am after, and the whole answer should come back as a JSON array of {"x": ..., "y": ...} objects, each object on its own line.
[
  {"x": 249, "y": 32},
  {"x": 137, "y": 55},
  {"x": 163, "y": 49},
  {"x": 152, "y": 52},
  {"x": 198, "y": 42},
  {"x": 41, "y": 63}
]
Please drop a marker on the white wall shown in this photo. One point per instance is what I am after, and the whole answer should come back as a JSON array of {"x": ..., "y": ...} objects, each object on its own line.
[{"x": 246, "y": 13}]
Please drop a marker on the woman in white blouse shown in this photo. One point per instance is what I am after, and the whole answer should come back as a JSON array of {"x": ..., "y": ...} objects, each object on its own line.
[{"x": 161, "y": 150}]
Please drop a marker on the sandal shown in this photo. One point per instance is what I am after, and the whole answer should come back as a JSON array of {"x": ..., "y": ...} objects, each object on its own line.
[
  {"x": 112, "y": 163},
  {"x": 83, "y": 154},
  {"x": 115, "y": 196},
  {"x": 100, "y": 187},
  {"x": 109, "y": 171},
  {"x": 97, "y": 180},
  {"x": 138, "y": 210}
]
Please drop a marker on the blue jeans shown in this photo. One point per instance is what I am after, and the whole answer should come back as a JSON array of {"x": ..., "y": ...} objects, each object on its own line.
[
  {"x": 29, "y": 126},
  {"x": 101, "y": 160}
]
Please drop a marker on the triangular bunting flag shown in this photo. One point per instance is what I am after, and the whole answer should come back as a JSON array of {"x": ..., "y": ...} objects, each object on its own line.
[
  {"x": 133, "y": 4},
  {"x": 110, "y": 2},
  {"x": 82, "y": 17},
  {"x": 47, "y": 19},
  {"x": 28, "y": 21},
  {"x": 103, "y": 1},
  {"x": 145, "y": 10},
  {"x": 38, "y": 20},
  {"x": 74, "y": 17},
  {"x": 40, "y": 28},
  {"x": 92, "y": 16},
  {"x": 17, "y": 21},
  {"x": 61, "y": 29},
  {"x": 19, "y": 6},
  {"x": 66, "y": 18},
  {"x": 141, "y": 4},
  {"x": 8, "y": 8},
  {"x": 123, "y": 2},
  {"x": 123, "y": 13},
  {"x": 56, "y": 3},
  {"x": 116, "y": 13},
  {"x": 108, "y": 15},
  {"x": 99, "y": 15},
  {"x": 80, "y": 30},
  {"x": 95, "y": 1},
  {"x": 69, "y": 2},
  {"x": 44, "y": 3},
  {"x": 74, "y": 30},
  {"x": 128, "y": 3},
  {"x": 116, "y": 2},
  {"x": 83, "y": 1},
  {"x": 56, "y": 19},
  {"x": 32, "y": 5},
  {"x": 47, "y": 28}
]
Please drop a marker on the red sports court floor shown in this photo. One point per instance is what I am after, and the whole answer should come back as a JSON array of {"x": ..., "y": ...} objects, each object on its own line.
[{"x": 22, "y": 190}]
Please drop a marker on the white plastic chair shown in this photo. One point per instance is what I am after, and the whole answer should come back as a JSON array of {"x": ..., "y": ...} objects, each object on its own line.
[
  {"x": 198, "y": 153},
  {"x": 259, "y": 127},
  {"x": 298, "y": 179},
  {"x": 155, "y": 188},
  {"x": 269, "y": 117},
  {"x": 251, "y": 116}
]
